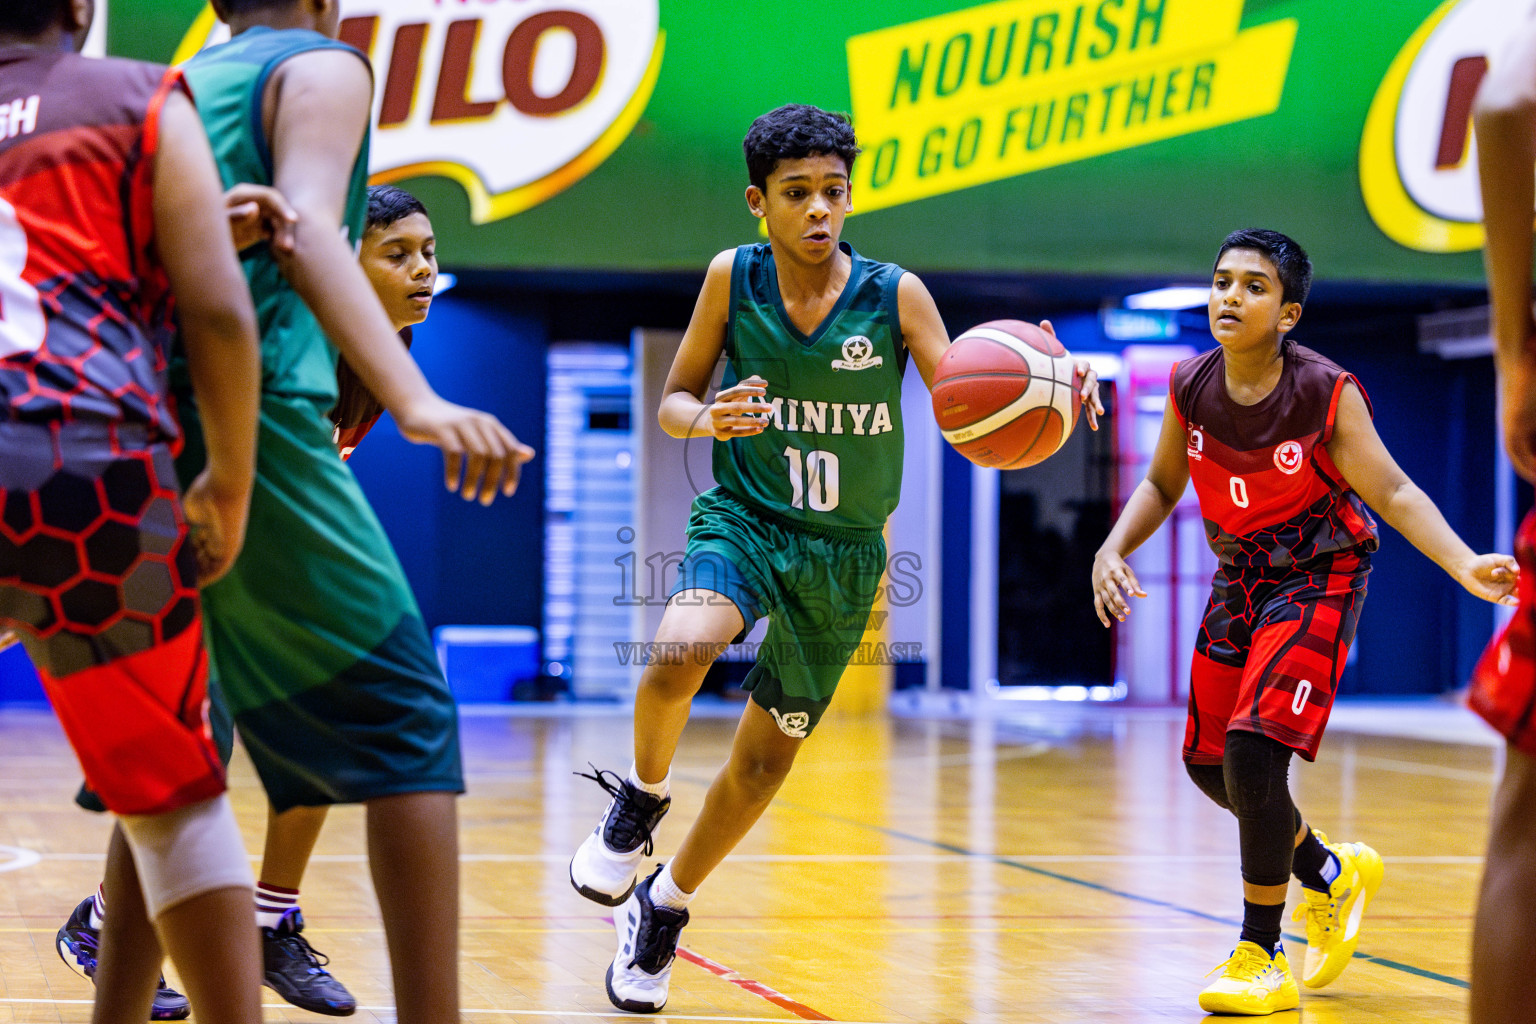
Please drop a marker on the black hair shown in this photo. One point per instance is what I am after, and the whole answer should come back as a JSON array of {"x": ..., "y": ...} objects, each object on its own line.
[
  {"x": 1289, "y": 258},
  {"x": 794, "y": 131},
  {"x": 31, "y": 17},
  {"x": 387, "y": 204}
]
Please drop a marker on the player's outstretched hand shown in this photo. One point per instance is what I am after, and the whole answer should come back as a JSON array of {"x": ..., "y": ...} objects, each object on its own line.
[
  {"x": 480, "y": 455},
  {"x": 259, "y": 213},
  {"x": 1111, "y": 576},
  {"x": 217, "y": 515},
  {"x": 1087, "y": 379},
  {"x": 1490, "y": 577},
  {"x": 733, "y": 412}
]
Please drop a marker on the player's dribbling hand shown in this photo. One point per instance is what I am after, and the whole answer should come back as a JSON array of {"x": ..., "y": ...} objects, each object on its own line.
[
  {"x": 1088, "y": 386},
  {"x": 1111, "y": 576},
  {"x": 480, "y": 455},
  {"x": 734, "y": 413},
  {"x": 1490, "y": 577},
  {"x": 217, "y": 515},
  {"x": 259, "y": 213}
]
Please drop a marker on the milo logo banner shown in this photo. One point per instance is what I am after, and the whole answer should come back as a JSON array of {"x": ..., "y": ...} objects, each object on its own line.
[
  {"x": 514, "y": 101},
  {"x": 1119, "y": 138}
]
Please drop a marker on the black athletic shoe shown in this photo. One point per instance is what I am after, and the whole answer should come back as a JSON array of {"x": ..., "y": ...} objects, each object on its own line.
[
  {"x": 77, "y": 945},
  {"x": 607, "y": 863},
  {"x": 641, "y": 973},
  {"x": 295, "y": 971}
]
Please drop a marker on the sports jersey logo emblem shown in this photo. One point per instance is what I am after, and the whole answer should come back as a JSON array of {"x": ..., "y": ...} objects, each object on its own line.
[
  {"x": 793, "y": 724},
  {"x": 1196, "y": 446},
  {"x": 858, "y": 354},
  {"x": 1288, "y": 457}
]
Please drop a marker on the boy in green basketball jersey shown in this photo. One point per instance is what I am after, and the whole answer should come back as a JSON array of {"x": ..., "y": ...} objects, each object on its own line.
[{"x": 807, "y": 462}]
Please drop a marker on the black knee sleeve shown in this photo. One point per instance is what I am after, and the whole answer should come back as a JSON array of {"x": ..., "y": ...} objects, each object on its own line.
[
  {"x": 1212, "y": 781},
  {"x": 1257, "y": 769}
]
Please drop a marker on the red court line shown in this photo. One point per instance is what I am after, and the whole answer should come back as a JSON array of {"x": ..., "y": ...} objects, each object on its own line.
[{"x": 757, "y": 988}]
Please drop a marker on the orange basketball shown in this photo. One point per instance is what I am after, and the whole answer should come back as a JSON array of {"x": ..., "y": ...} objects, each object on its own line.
[{"x": 1003, "y": 394}]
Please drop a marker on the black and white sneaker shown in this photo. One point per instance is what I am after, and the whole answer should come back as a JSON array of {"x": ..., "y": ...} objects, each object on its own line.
[
  {"x": 608, "y": 861},
  {"x": 641, "y": 971}
]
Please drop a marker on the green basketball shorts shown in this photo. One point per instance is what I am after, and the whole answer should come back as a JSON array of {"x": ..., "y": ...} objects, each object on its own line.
[{"x": 816, "y": 585}]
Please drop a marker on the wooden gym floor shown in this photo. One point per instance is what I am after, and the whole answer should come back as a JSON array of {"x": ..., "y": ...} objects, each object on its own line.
[{"x": 1048, "y": 865}]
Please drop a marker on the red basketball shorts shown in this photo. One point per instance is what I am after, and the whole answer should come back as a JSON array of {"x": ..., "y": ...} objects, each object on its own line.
[
  {"x": 1504, "y": 682},
  {"x": 99, "y": 580},
  {"x": 1268, "y": 659}
]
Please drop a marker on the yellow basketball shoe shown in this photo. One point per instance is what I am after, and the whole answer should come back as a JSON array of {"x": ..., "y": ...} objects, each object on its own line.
[
  {"x": 1333, "y": 917},
  {"x": 1252, "y": 983}
]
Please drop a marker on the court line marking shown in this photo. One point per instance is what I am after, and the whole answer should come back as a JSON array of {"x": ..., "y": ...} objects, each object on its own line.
[
  {"x": 592, "y": 1014},
  {"x": 1388, "y": 764},
  {"x": 757, "y": 988},
  {"x": 1109, "y": 890}
]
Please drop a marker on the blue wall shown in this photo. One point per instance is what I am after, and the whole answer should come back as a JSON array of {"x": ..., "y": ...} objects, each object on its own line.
[{"x": 468, "y": 564}]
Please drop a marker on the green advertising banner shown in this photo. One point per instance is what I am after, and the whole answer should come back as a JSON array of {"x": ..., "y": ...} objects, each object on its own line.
[{"x": 1102, "y": 137}]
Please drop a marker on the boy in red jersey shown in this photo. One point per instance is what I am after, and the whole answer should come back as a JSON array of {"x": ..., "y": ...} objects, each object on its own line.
[
  {"x": 399, "y": 255},
  {"x": 109, "y": 202},
  {"x": 1281, "y": 448},
  {"x": 1504, "y": 684}
]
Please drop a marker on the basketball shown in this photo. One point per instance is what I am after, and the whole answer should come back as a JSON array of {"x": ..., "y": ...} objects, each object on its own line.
[{"x": 1003, "y": 394}]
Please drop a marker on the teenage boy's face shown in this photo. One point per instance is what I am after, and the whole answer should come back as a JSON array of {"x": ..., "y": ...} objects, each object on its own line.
[
  {"x": 1246, "y": 304},
  {"x": 804, "y": 205},
  {"x": 400, "y": 260}
]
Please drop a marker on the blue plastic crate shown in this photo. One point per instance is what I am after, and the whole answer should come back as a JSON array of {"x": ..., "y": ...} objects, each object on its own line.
[{"x": 483, "y": 663}]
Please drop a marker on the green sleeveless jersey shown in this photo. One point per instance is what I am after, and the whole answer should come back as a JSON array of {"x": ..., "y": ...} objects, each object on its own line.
[
  {"x": 831, "y": 454},
  {"x": 227, "y": 82}
]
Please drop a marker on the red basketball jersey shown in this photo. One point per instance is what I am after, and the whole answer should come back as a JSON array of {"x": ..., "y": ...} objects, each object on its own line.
[
  {"x": 1270, "y": 495},
  {"x": 84, "y": 303}
]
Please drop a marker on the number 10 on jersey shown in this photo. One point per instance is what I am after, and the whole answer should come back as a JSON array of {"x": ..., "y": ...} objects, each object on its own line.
[{"x": 813, "y": 479}]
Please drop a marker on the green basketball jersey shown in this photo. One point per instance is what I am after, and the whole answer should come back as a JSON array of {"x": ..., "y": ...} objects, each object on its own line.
[
  {"x": 831, "y": 455},
  {"x": 227, "y": 81}
]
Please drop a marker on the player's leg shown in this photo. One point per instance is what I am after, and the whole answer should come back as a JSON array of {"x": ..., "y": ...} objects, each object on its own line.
[
  {"x": 651, "y": 921},
  {"x": 130, "y": 955},
  {"x": 1303, "y": 644},
  {"x": 413, "y": 853},
  {"x": 695, "y": 627},
  {"x": 1504, "y": 937},
  {"x": 291, "y": 966}
]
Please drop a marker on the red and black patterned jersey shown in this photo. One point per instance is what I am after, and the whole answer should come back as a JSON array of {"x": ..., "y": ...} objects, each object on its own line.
[
  {"x": 356, "y": 409},
  {"x": 85, "y": 310},
  {"x": 1270, "y": 495}
]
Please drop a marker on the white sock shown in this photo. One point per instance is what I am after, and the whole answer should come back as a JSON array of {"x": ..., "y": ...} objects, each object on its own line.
[
  {"x": 272, "y": 902},
  {"x": 661, "y": 788},
  {"x": 665, "y": 893},
  {"x": 98, "y": 909},
  {"x": 1330, "y": 870}
]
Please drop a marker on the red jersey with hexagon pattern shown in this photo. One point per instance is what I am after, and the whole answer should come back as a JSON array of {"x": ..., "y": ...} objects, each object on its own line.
[
  {"x": 84, "y": 304},
  {"x": 97, "y": 571},
  {"x": 1269, "y": 494}
]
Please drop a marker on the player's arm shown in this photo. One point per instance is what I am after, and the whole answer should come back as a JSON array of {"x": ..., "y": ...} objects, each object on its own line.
[
  {"x": 1150, "y": 504},
  {"x": 218, "y": 329},
  {"x": 1505, "y": 116},
  {"x": 923, "y": 331},
  {"x": 319, "y": 105},
  {"x": 1358, "y": 452},
  {"x": 684, "y": 412}
]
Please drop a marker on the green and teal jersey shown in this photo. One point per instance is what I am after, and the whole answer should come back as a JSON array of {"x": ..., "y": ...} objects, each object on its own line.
[
  {"x": 832, "y": 452},
  {"x": 227, "y": 82}
]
